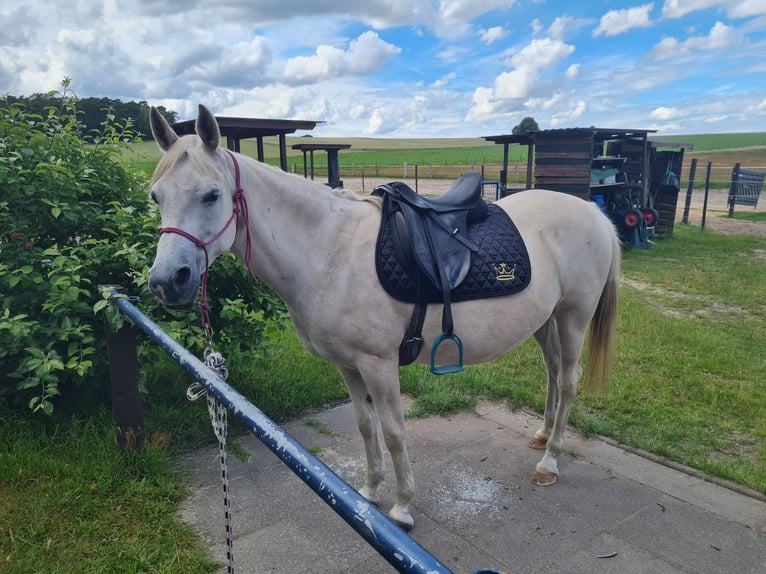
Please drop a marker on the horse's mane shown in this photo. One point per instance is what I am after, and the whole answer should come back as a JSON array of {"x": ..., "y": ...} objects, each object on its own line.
[{"x": 188, "y": 146}]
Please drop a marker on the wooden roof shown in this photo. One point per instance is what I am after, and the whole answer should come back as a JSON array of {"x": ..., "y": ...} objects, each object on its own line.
[
  {"x": 599, "y": 134},
  {"x": 304, "y": 147},
  {"x": 246, "y": 128},
  {"x": 237, "y": 129}
]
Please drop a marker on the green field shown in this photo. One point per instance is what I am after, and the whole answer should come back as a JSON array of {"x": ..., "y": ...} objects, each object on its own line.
[{"x": 722, "y": 150}]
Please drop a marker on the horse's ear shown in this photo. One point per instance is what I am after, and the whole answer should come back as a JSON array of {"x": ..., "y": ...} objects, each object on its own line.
[
  {"x": 161, "y": 130},
  {"x": 207, "y": 128}
]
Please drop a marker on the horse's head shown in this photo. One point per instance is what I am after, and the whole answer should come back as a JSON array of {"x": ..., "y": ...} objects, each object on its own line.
[{"x": 194, "y": 189}]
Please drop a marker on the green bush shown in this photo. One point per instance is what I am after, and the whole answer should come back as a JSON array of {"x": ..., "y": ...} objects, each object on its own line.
[{"x": 74, "y": 214}]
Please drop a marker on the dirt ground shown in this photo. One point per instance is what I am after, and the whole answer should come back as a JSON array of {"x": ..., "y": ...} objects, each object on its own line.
[{"x": 716, "y": 217}]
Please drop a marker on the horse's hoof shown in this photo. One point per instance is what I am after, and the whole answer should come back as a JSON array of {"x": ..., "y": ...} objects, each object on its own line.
[
  {"x": 538, "y": 443},
  {"x": 402, "y": 518},
  {"x": 545, "y": 478}
]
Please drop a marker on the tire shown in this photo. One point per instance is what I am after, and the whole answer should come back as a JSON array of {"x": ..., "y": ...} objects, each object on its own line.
[
  {"x": 632, "y": 218},
  {"x": 651, "y": 216}
]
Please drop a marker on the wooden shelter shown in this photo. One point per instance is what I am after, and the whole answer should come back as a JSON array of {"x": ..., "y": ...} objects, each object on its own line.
[
  {"x": 333, "y": 165},
  {"x": 617, "y": 168},
  {"x": 237, "y": 129}
]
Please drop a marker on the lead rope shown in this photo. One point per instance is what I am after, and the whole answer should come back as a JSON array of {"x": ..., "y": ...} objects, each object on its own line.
[
  {"x": 213, "y": 359},
  {"x": 218, "y": 419}
]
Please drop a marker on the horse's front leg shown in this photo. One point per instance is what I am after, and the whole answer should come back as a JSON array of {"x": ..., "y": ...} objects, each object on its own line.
[
  {"x": 382, "y": 380},
  {"x": 367, "y": 421}
]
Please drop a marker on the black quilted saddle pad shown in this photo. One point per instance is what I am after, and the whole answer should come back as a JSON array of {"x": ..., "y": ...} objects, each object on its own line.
[{"x": 500, "y": 266}]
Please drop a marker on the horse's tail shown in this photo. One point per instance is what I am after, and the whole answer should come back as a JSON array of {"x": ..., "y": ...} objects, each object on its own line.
[{"x": 603, "y": 326}]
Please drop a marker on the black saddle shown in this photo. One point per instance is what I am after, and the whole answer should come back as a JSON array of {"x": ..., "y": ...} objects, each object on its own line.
[
  {"x": 430, "y": 236},
  {"x": 433, "y": 233}
]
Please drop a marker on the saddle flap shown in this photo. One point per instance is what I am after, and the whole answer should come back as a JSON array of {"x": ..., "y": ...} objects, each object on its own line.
[{"x": 433, "y": 246}]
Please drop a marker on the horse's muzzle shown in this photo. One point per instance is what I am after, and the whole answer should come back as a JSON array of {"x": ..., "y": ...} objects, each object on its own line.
[{"x": 178, "y": 290}]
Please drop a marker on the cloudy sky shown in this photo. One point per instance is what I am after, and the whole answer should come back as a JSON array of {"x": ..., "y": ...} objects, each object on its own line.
[{"x": 405, "y": 68}]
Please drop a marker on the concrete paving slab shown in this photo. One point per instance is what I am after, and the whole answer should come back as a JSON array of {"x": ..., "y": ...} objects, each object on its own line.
[{"x": 613, "y": 511}]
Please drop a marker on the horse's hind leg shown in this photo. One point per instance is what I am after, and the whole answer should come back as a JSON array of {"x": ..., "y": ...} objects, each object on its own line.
[
  {"x": 367, "y": 420},
  {"x": 571, "y": 335},
  {"x": 548, "y": 339}
]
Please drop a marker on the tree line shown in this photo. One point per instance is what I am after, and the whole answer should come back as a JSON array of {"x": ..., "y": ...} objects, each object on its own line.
[{"x": 94, "y": 113}]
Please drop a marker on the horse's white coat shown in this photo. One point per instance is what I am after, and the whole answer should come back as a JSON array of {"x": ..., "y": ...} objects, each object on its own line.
[{"x": 314, "y": 247}]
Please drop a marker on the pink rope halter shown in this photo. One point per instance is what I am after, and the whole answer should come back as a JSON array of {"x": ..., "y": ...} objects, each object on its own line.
[{"x": 240, "y": 208}]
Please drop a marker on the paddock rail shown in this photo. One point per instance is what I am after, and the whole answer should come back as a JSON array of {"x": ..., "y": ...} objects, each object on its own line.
[{"x": 390, "y": 541}]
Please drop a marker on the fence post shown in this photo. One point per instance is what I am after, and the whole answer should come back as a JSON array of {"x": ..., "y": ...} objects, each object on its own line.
[
  {"x": 688, "y": 204},
  {"x": 707, "y": 191},
  {"x": 127, "y": 405},
  {"x": 733, "y": 188}
]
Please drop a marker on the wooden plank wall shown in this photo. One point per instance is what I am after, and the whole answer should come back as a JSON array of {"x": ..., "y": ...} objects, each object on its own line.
[{"x": 564, "y": 165}]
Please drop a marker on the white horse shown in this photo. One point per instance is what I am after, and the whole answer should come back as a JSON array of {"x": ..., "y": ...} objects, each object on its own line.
[{"x": 315, "y": 249}]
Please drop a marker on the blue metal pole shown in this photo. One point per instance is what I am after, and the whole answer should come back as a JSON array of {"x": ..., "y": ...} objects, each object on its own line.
[{"x": 390, "y": 541}]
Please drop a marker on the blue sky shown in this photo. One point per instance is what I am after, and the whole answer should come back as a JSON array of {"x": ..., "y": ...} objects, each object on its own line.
[{"x": 406, "y": 68}]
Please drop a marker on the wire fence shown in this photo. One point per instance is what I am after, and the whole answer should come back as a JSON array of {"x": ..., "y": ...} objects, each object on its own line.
[{"x": 720, "y": 176}]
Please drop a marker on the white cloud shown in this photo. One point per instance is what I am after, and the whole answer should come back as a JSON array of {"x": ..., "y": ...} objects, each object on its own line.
[
  {"x": 337, "y": 61},
  {"x": 566, "y": 25},
  {"x": 529, "y": 64},
  {"x": 367, "y": 54},
  {"x": 493, "y": 34},
  {"x": 443, "y": 81},
  {"x": 720, "y": 36},
  {"x": 572, "y": 71},
  {"x": 569, "y": 116},
  {"x": 734, "y": 8},
  {"x": 617, "y": 22},
  {"x": 662, "y": 113},
  {"x": 455, "y": 10}
]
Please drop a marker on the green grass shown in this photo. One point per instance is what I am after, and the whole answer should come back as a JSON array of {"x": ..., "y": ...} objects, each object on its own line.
[
  {"x": 71, "y": 502},
  {"x": 715, "y": 142},
  {"x": 750, "y": 215}
]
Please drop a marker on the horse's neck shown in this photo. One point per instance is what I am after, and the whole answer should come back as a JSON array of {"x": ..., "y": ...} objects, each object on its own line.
[{"x": 298, "y": 229}]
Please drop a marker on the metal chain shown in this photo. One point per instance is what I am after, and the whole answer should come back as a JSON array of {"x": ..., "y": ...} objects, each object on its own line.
[{"x": 218, "y": 419}]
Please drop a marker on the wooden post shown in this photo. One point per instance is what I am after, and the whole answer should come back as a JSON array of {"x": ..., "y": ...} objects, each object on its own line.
[
  {"x": 689, "y": 190},
  {"x": 733, "y": 188},
  {"x": 127, "y": 405}
]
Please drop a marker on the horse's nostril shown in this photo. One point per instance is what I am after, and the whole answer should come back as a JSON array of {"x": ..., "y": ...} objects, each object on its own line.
[{"x": 183, "y": 275}]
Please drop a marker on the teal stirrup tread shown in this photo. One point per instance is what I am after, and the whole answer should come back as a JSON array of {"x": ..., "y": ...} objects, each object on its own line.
[{"x": 447, "y": 369}]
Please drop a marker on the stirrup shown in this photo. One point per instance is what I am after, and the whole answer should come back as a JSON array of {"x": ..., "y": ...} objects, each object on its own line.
[{"x": 447, "y": 369}]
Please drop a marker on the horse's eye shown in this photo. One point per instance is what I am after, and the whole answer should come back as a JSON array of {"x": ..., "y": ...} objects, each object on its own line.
[{"x": 211, "y": 196}]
